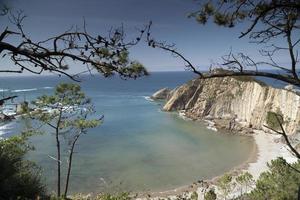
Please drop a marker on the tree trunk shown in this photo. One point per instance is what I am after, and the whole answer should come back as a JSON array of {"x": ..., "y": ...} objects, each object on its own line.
[
  {"x": 58, "y": 164},
  {"x": 299, "y": 192},
  {"x": 70, "y": 163},
  {"x": 58, "y": 153}
]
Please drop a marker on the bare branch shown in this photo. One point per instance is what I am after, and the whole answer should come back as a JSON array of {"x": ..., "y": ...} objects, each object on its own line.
[
  {"x": 283, "y": 133},
  {"x": 169, "y": 48},
  {"x": 107, "y": 55}
]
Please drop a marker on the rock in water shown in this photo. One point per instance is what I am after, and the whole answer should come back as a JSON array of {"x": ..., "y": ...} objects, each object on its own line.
[
  {"x": 161, "y": 94},
  {"x": 289, "y": 87}
]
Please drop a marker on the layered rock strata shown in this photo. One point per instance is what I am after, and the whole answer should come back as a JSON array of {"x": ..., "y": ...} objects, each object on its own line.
[{"x": 233, "y": 102}]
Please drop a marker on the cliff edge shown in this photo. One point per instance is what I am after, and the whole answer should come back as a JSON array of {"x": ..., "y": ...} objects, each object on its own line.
[{"x": 235, "y": 103}]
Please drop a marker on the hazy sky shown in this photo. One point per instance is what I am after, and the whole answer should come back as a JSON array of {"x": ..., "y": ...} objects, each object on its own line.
[{"x": 201, "y": 44}]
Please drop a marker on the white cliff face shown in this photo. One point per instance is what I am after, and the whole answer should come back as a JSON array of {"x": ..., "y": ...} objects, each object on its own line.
[{"x": 243, "y": 99}]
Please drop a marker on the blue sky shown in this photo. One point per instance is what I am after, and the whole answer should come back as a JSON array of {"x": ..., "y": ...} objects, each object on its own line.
[{"x": 201, "y": 44}]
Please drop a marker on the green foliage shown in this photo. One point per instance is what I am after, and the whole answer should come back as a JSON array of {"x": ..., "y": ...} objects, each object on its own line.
[
  {"x": 24, "y": 108},
  {"x": 228, "y": 13},
  {"x": 274, "y": 119},
  {"x": 103, "y": 196},
  {"x": 58, "y": 198},
  {"x": 281, "y": 181},
  {"x": 194, "y": 196},
  {"x": 244, "y": 78},
  {"x": 225, "y": 184},
  {"x": 67, "y": 113},
  {"x": 221, "y": 19},
  {"x": 245, "y": 180},
  {"x": 121, "y": 196},
  {"x": 19, "y": 178},
  {"x": 249, "y": 79},
  {"x": 201, "y": 18},
  {"x": 123, "y": 57},
  {"x": 210, "y": 195},
  {"x": 68, "y": 108},
  {"x": 135, "y": 68},
  {"x": 127, "y": 68}
]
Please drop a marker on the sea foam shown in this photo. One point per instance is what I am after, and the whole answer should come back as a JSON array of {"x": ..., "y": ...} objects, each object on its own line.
[
  {"x": 25, "y": 90},
  {"x": 3, "y": 90},
  {"x": 4, "y": 128},
  {"x": 47, "y": 88},
  {"x": 148, "y": 98}
]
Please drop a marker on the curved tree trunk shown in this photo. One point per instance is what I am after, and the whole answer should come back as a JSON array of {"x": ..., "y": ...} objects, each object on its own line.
[{"x": 70, "y": 163}]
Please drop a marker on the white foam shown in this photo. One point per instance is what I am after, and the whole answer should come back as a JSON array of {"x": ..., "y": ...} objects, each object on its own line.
[
  {"x": 211, "y": 125},
  {"x": 182, "y": 115},
  {"x": 47, "y": 88},
  {"x": 9, "y": 110},
  {"x": 25, "y": 90},
  {"x": 4, "y": 128},
  {"x": 148, "y": 98},
  {"x": 3, "y": 90},
  {"x": 212, "y": 128}
]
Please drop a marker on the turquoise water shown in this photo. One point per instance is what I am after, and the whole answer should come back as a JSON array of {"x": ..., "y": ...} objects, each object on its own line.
[{"x": 139, "y": 147}]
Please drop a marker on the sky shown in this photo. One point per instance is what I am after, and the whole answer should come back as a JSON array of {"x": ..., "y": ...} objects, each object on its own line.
[{"x": 202, "y": 45}]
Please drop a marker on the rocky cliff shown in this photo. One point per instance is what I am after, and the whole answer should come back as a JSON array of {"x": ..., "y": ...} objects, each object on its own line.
[
  {"x": 236, "y": 101},
  {"x": 161, "y": 94}
]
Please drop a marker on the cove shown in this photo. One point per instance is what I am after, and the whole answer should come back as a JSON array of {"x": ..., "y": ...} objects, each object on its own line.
[{"x": 139, "y": 148}]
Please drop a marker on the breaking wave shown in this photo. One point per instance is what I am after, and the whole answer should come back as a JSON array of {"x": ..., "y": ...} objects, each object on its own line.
[{"x": 24, "y": 90}]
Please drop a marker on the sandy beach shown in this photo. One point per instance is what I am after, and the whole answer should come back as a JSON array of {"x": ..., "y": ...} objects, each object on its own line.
[{"x": 266, "y": 148}]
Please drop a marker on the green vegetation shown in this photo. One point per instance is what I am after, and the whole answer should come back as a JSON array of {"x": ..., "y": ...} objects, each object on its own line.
[
  {"x": 229, "y": 95},
  {"x": 118, "y": 196},
  {"x": 244, "y": 78},
  {"x": 194, "y": 196},
  {"x": 266, "y": 93},
  {"x": 19, "y": 177},
  {"x": 225, "y": 184},
  {"x": 249, "y": 79},
  {"x": 67, "y": 112},
  {"x": 244, "y": 180},
  {"x": 210, "y": 195},
  {"x": 274, "y": 119},
  {"x": 280, "y": 182},
  {"x": 268, "y": 20}
]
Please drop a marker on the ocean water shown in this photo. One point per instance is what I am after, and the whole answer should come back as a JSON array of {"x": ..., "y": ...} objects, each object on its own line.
[{"x": 139, "y": 147}]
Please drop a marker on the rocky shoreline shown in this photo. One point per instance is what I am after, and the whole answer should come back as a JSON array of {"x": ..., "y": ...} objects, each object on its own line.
[
  {"x": 227, "y": 104},
  {"x": 232, "y": 103}
]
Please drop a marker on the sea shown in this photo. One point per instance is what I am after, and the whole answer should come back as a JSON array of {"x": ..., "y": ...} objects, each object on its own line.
[{"x": 138, "y": 148}]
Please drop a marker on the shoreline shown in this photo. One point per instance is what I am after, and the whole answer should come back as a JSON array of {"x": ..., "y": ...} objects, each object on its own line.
[
  {"x": 195, "y": 186},
  {"x": 269, "y": 148},
  {"x": 266, "y": 147}
]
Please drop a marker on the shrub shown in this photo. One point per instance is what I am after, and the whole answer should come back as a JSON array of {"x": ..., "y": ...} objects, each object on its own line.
[
  {"x": 19, "y": 178},
  {"x": 210, "y": 195},
  {"x": 244, "y": 180},
  {"x": 121, "y": 196},
  {"x": 225, "y": 184},
  {"x": 281, "y": 181},
  {"x": 194, "y": 196},
  {"x": 272, "y": 119}
]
